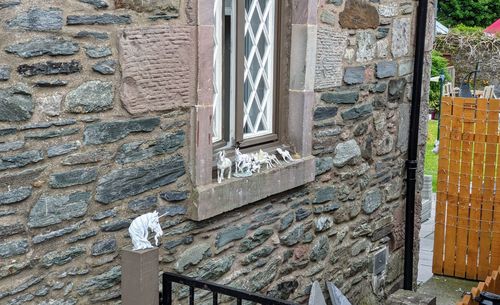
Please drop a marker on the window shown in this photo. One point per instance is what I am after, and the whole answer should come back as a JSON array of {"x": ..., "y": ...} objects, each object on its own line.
[
  {"x": 245, "y": 106},
  {"x": 257, "y": 60}
]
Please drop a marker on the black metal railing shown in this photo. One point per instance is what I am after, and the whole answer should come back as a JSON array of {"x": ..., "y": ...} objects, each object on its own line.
[
  {"x": 215, "y": 289},
  {"x": 488, "y": 298}
]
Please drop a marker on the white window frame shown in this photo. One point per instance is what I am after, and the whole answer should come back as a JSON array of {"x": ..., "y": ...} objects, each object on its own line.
[
  {"x": 269, "y": 56},
  {"x": 217, "y": 72}
]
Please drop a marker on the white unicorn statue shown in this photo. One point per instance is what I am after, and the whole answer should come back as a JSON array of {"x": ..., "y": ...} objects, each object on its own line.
[
  {"x": 139, "y": 230},
  {"x": 223, "y": 164}
]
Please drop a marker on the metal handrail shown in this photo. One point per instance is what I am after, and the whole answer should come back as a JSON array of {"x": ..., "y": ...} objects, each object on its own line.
[
  {"x": 487, "y": 298},
  {"x": 216, "y": 289}
]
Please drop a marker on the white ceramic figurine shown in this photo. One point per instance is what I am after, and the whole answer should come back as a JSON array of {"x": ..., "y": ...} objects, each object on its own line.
[
  {"x": 274, "y": 159},
  {"x": 243, "y": 164},
  {"x": 255, "y": 163},
  {"x": 139, "y": 230},
  {"x": 223, "y": 164},
  {"x": 265, "y": 158},
  {"x": 285, "y": 155}
]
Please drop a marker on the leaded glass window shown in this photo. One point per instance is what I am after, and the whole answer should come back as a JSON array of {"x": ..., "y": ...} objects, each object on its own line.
[{"x": 245, "y": 103}]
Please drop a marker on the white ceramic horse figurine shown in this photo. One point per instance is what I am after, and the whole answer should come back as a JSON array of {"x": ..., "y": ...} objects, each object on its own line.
[
  {"x": 264, "y": 158},
  {"x": 139, "y": 230},
  {"x": 285, "y": 154},
  {"x": 274, "y": 159},
  {"x": 242, "y": 161},
  {"x": 269, "y": 159},
  {"x": 255, "y": 163},
  {"x": 223, "y": 164}
]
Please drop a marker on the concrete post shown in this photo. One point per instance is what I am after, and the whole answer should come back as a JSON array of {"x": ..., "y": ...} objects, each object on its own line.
[
  {"x": 426, "y": 198},
  {"x": 140, "y": 277}
]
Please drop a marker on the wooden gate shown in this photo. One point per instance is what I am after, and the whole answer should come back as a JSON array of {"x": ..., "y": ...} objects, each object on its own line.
[{"x": 467, "y": 232}]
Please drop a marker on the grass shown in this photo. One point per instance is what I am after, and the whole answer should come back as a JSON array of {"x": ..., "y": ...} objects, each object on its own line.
[{"x": 431, "y": 159}]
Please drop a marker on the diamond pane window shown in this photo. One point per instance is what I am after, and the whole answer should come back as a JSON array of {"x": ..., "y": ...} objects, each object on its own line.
[
  {"x": 258, "y": 75},
  {"x": 245, "y": 107}
]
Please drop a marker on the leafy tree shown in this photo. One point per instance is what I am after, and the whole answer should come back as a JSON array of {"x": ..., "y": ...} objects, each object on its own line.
[{"x": 480, "y": 13}]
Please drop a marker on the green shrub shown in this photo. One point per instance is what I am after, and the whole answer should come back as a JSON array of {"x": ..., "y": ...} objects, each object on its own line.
[
  {"x": 467, "y": 30},
  {"x": 439, "y": 63}
]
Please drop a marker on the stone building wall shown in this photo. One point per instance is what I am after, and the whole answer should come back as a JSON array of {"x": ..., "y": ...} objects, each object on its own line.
[{"x": 88, "y": 141}]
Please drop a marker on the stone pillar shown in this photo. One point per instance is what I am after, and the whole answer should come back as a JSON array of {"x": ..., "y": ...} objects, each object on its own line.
[
  {"x": 140, "y": 280},
  {"x": 302, "y": 71}
]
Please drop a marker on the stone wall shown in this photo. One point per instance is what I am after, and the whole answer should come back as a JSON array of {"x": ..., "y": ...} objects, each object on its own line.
[
  {"x": 90, "y": 138},
  {"x": 465, "y": 50}
]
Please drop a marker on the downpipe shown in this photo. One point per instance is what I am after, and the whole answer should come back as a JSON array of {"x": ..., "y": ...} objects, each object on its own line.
[{"x": 411, "y": 163}]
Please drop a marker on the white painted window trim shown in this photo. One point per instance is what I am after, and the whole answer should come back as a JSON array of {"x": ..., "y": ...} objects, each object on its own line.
[
  {"x": 267, "y": 74},
  {"x": 232, "y": 92},
  {"x": 217, "y": 72}
]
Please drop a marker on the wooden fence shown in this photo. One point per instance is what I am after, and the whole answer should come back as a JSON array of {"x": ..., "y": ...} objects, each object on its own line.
[
  {"x": 491, "y": 284},
  {"x": 467, "y": 232}
]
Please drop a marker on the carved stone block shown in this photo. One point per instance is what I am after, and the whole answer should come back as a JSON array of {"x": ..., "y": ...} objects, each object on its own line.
[
  {"x": 158, "y": 69},
  {"x": 331, "y": 47}
]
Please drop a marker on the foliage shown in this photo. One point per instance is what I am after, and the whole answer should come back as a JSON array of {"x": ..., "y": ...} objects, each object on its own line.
[
  {"x": 439, "y": 63},
  {"x": 434, "y": 97},
  {"x": 466, "y": 47},
  {"x": 467, "y": 30},
  {"x": 469, "y": 43},
  {"x": 479, "y": 13},
  {"x": 431, "y": 159}
]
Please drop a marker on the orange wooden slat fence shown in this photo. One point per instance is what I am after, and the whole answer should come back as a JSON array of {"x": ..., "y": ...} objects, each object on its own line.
[
  {"x": 467, "y": 232},
  {"x": 491, "y": 284}
]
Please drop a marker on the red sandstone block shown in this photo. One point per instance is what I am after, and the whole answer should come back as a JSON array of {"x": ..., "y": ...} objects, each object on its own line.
[{"x": 158, "y": 68}]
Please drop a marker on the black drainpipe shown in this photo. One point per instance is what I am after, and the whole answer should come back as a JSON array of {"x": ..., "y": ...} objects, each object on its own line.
[{"x": 411, "y": 163}]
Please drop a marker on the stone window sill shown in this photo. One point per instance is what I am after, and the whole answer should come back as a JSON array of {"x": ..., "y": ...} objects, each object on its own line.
[{"x": 214, "y": 199}]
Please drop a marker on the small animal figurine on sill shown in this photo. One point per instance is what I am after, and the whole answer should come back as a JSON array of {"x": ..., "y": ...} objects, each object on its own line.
[
  {"x": 262, "y": 158},
  {"x": 255, "y": 163},
  {"x": 243, "y": 164},
  {"x": 223, "y": 164},
  {"x": 274, "y": 159},
  {"x": 268, "y": 159},
  {"x": 285, "y": 155},
  {"x": 240, "y": 160}
]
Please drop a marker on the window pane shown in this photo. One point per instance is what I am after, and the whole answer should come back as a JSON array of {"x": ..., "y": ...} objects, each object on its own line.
[
  {"x": 258, "y": 89},
  {"x": 217, "y": 73}
]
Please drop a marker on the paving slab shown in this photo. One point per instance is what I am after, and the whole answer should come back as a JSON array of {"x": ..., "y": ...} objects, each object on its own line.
[
  {"x": 426, "y": 247},
  {"x": 447, "y": 290}
]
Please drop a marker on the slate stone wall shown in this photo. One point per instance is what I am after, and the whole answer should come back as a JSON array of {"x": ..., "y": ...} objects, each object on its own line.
[{"x": 87, "y": 143}]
